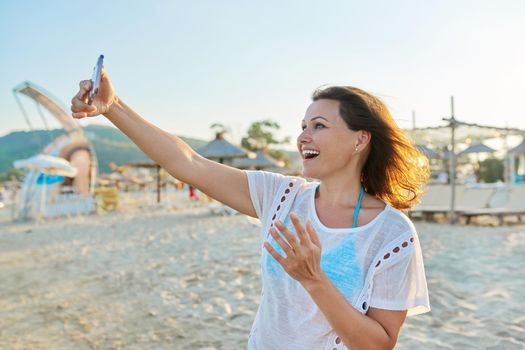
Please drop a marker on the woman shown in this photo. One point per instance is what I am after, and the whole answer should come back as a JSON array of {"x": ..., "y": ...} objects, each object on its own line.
[{"x": 342, "y": 266}]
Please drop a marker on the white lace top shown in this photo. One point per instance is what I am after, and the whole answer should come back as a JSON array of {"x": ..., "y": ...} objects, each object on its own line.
[{"x": 377, "y": 265}]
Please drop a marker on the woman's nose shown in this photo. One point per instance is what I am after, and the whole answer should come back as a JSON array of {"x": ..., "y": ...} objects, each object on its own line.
[{"x": 304, "y": 137}]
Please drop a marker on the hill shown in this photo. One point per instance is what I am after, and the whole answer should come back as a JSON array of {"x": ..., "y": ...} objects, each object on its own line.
[{"x": 110, "y": 144}]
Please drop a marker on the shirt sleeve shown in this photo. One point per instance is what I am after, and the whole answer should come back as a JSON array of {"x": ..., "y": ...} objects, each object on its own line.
[
  {"x": 402, "y": 285},
  {"x": 263, "y": 188}
]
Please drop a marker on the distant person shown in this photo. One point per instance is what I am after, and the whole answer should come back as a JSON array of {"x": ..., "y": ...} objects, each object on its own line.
[
  {"x": 192, "y": 193},
  {"x": 1, "y": 197},
  {"x": 342, "y": 265}
]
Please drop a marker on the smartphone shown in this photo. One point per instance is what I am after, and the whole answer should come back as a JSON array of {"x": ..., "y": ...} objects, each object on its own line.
[{"x": 95, "y": 79}]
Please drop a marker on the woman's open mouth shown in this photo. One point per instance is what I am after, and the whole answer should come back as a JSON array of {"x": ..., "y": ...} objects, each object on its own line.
[{"x": 309, "y": 154}]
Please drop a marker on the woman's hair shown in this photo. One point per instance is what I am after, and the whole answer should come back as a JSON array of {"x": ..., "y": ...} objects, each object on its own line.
[{"x": 395, "y": 170}]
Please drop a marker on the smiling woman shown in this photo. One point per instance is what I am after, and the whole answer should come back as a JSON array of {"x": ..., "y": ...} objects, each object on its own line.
[
  {"x": 341, "y": 265},
  {"x": 395, "y": 168}
]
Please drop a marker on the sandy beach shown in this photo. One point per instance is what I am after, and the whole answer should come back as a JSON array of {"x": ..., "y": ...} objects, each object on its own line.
[{"x": 189, "y": 279}]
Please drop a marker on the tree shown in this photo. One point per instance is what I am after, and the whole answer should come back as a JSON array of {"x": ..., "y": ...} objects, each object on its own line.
[
  {"x": 220, "y": 129},
  {"x": 491, "y": 170},
  {"x": 12, "y": 173},
  {"x": 260, "y": 135}
]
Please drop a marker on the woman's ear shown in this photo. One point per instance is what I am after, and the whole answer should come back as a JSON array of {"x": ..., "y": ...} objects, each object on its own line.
[{"x": 363, "y": 139}]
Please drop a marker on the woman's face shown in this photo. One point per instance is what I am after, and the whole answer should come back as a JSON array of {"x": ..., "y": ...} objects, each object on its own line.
[{"x": 326, "y": 144}]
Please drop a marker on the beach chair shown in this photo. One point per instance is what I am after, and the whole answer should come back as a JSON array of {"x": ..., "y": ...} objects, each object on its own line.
[
  {"x": 468, "y": 199},
  {"x": 108, "y": 198},
  {"x": 514, "y": 206},
  {"x": 435, "y": 200}
]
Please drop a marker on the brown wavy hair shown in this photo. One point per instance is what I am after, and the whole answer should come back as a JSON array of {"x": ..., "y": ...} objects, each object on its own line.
[{"x": 395, "y": 170}]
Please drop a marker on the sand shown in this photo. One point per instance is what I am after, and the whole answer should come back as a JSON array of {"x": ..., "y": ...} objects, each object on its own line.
[{"x": 188, "y": 279}]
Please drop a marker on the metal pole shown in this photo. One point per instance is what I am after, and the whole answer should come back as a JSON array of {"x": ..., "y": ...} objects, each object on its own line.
[
  {"x": 506, "y": 162},
  {"x": 452, "y": 213},
  {"x": 23, "y": 110}
]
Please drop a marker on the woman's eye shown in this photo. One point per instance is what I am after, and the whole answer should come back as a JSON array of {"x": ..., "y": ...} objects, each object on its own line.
[
  {"x": 303, "y": 127},
  {"x": 319, "y": 126}
]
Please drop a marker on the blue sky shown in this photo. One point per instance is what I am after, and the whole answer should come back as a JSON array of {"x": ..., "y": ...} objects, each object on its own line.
[{"x": 186, "y": 65}]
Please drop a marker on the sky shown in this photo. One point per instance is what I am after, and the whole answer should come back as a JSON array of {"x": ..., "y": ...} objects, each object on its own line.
[{"x": 185, "y": 65}]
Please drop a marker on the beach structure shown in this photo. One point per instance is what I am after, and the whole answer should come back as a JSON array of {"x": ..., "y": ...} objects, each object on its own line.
[
  {"x": 513, "y": 206},
  {"x": 149, "y": 165},
  {"x": 477, "y": 149},
  {"x": 428, "y": 152},
  {"x": 221, "y": 150},
  {"x": 261, "y": 161},
  {"x": 455, "y": 200},
  {"x": 51, "y": 169},
  {"x": 497, "y": 201},
  {"x": 517, "y": 154},
  {"x": 64, "y": 194}
]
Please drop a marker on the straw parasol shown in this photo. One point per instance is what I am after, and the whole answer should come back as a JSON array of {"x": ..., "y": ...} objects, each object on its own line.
[
  {"x": 477, "y": 148},
  {"x": 260, "y": 161},
  {"x": 428, "y": 152},
  {"x": 220, "y": 149},
  {"x": 149, "y": 165},
  {"x": 519, "y": 148}
]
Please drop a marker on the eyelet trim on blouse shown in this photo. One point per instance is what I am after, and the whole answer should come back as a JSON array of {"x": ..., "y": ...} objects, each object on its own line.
[
  {"x": 382, "y": 260},
  {"x": 286, "y": 194},
  {"x": 337, "y": 344}
]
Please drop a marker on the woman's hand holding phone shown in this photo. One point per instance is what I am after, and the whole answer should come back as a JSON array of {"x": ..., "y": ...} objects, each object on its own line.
[{"x": 101, "y": 101}]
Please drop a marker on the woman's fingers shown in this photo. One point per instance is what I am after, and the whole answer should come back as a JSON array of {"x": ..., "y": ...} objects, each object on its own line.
[
  {"x": 290, "y": 238},
  {"x": 81, "y": 109},
  {"x": 85, "y": 85},
  {"x": 79, "y": 105},
  {"x": 282, "y": 243},
  {"x": 103, "y": 74},
  {"x": 311, "y": 232},
  {"x": 303, "y": 256},
  {"x": 84, "y": 89},
  {"x": 299, "y": 228},
  {"x": 280, "y": 259}
]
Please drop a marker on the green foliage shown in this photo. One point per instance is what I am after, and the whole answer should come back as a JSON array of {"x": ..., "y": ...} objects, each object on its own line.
[
  {"x": 219, "y": 128},
  {"x": 491, "y": 170},
  {"x": 23, "y": 144},
  {"x": 8, "y": 175},
  {"x": 260, "y": 135}
]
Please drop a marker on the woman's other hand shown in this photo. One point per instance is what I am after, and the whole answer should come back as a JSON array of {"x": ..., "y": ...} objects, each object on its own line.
[
  {"x": 303, "y": 253},
  {"x": 104, "y": 99}
]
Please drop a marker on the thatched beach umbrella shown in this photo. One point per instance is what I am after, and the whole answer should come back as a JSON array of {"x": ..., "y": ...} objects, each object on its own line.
[
  {"x": 260, "y": 161},
  {"x": 519, "y": 148},
  {"x": 428, "y": 152},
  {"x": 220, "y": 149},
  {"x": 477, "y": 148},
  {"x": 148, "y": 165}
]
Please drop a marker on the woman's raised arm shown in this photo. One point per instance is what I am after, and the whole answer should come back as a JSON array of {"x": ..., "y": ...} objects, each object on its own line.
[{"x": 223, "y": 183}]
